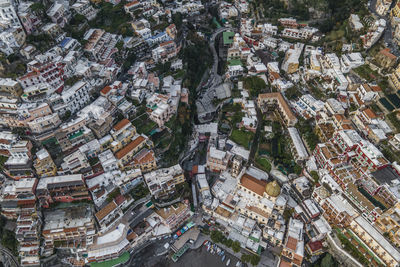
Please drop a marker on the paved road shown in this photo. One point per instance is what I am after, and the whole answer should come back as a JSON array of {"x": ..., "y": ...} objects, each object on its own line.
[
  {"x": 128, "y": 216},
  {"x": 5, "y": 251},
  {"x": 254, "y": 144},
  {"x": 201, "y": 257}
]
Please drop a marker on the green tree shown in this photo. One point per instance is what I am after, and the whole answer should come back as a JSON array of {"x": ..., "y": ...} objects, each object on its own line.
[
  {"x": 228, "y": 242},
  {"x": 254, "y": 260},
  {"x": 216, "y": 236},
  {"x": 66, "y": 115},
  {"x": 315, "y": 176},
  {"x": 38, "y": 8},
  {"x": 245, "y": 257},
  {"x": 328, "y": 261},
  {"x": 254, "y": 84},
  {"x": 120, "y": 45},
  {"x": 297, "y": 169},
  {"x": 292, "y": 93},
  {"x": 177, "y": 19},
  {"x": 116, "y": 192},
  {"x": 236, "y": 246}
]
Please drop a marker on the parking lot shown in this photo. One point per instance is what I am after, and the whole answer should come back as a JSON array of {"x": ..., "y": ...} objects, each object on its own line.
[{"x": 201, "y": 257}]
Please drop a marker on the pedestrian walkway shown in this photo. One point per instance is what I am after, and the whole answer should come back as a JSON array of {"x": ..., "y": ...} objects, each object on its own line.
[{"x": 343, "y": 252}]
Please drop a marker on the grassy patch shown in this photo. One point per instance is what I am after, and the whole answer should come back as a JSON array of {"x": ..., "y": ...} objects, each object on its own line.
[
  {"x": 113, "y": 19},
  {"x": 254, "y": 85},
  {"x": 349, "y": 247},
  {"x": 139, "y": 191},
  {"x": 367, "y": 73},
  {"x": 392, "y": 117},
  {"x": 317, "y": 93},
  {"x": 3, "y": 159},
  {"x": 263, "y": 164},
  {"x": 242, "y": 138},
  {"x": 144, "y": 124}
]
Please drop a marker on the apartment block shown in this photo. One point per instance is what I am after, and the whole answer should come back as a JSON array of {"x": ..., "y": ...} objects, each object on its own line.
[
  {"x": 375, "y": 241},
  {"x": 270, "y": 101},
  {"x": 8, "y": 15},
  {"x": 42, "y": 71},
  {"x": 163, "y": 181},
  {"x": 165, "y": 52},
  {"x": 11, "y": 87},
  {"x": 27, "y": 233},
  {"x": 68, "y": 228},
  {"x": 44, "y": 164},
  {"x": 17, "y": 196},
  {"x": 6, "y": 140},
  {"x": 389, "y": 222},
  {"x": 110, "y": 245},
  {"x": 145, "y": 160},
  {"x": 293, "y": 248},
  {"x": 108, "y": 216},
  {"x": 19, "y": 164},
  {"x": 217, "y": 160},
  {"x": 174, "y": 215},
  {"x": 76, "y": 97},
  {"x": 125, "y": 155},
  {"x": 65, "y": 188},
  {"x": 101, "y": 45},
  {"x": 122, "y": 133}
]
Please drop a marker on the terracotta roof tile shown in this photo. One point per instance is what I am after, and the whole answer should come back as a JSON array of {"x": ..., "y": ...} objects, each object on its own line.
[
  {"x": 291, "y": 243},
  {"x": 370, "y": 113},
  {"x": 386, "y": 52},
  {"x": 253, "y": 184},
  {"x": 106, "y": 210},
  {"x": 105, "y": 90},
  {"x": 121, "y": 124},
  {"x": 128, "y": 148},
  {"x": 285, "y": 263},
  {"x": 119, "y": 199}
]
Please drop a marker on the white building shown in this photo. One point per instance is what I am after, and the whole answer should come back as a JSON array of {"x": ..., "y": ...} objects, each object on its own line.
[
  {"x": 300, "y": 150},
  {"x": 76, "y": 97},
  {"x": 333, "y": 106},
  {"x": 163, "y": 181},
  {"x": 8, "y": 16},
  {"x": 351, "y": 61},
  {"x": 84, "y": 8},
  {"x": 355, "y": 22},
  {"x": 59, "y": 13}
]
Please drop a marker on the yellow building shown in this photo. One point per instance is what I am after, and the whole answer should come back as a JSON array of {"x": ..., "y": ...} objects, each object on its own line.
[
  {"x": 10, "y": 86},
  {"x": 44, "y": 164},
  {"x": 389, "y": 223},
  {"x": 394, "y": 78},
  {"x": 396, "y": 10},
  {"x": 314, "y": 63},
  {"x": 145, "y": 160},
  {"x": 375, "y": 241},
  {"x": 125, "y": 155},
  {"x": 258, "y": 198},
  {"x": 122, "y": 133}
]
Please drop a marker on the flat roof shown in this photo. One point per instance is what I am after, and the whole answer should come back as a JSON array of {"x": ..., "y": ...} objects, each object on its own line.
[
  {"x": 378, "y": 237},
  {"x": 386, "y": 175},
  {"x": 228, "y": 37},
  {"x": 43, "y": 182}
]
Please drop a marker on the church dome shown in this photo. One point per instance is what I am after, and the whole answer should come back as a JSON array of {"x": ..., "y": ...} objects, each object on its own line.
[{"x": 273, "y": 189}]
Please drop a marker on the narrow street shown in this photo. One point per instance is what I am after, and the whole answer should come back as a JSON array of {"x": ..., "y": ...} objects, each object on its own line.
[{"x": 254, "y": 144}]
